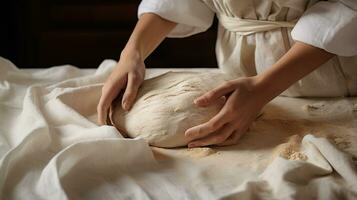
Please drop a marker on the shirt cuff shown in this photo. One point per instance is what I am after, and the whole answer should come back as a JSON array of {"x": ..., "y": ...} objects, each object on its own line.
[
  {"x": 191, "y": 16},
  {"x": 331, "y": 26}
]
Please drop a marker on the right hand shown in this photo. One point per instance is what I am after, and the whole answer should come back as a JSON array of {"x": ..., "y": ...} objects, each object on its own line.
[{"x": 127, "y": 75}]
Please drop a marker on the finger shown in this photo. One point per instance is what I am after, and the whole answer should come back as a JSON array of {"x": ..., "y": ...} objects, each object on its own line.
[
  {"x": 233, "y": 139},
  {"x": 133, "y": 84},
  {"x": 109, "y": 93},
  {"x": 218, "y": 137},
  {"x": 215, "y": 94},
  {"x": 205, "y": 129}
]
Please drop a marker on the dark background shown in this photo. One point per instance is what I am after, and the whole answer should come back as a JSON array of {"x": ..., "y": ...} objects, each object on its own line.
[{"x": 44, "y": 33}]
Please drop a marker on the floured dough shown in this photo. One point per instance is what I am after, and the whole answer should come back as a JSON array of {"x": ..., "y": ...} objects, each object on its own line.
[{"x": 164, "y": 108}]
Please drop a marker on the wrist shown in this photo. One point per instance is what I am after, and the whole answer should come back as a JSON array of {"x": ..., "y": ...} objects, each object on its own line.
[
  {"x": 130, "y": 53},
  {"x": 263, "y": 89}
]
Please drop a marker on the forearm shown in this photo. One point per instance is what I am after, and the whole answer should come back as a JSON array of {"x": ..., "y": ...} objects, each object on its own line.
[
  {"x": 148, "y": 33},
  {"x": 298, "y": 62}
]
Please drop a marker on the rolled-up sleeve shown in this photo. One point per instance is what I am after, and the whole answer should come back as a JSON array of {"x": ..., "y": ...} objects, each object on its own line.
[
  {"x": 329, "y": 25},
  {"x": 191, "y": 16}
]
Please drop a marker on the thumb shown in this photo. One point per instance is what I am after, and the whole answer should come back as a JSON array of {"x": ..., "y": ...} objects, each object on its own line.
[
  {"x": 215, "y": 94},
  {"x": 132, "y": 87}
]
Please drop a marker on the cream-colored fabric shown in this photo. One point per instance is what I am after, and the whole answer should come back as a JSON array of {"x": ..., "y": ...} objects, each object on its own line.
[
  {"x": 330, "y": 25},
  {"x": 189, "y": 22},
  {"x": 52, "y": 148},
  {"x": 252, "y": 53},
  {"x": 247, "y": 55},
  {"x": 249, "y": 26}
]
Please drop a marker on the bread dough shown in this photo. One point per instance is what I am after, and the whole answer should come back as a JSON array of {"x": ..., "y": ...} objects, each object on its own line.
[{"x": 164, "y": 107}]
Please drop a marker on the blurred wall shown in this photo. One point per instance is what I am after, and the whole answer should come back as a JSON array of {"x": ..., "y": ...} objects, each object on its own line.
[{"x": 43, "y": 33}]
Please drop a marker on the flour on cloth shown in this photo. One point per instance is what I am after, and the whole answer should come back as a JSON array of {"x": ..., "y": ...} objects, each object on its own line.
[
  {"x": 164, "y": 107},
  {"x": 51, "y": 147}
]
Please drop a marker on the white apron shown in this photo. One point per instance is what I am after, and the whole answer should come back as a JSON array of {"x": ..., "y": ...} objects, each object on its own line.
[
  {"x": 254, "y": 34},
  {"x": 247, "y": 46}
]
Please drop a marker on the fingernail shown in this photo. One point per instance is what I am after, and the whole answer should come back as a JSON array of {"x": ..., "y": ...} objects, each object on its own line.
[
  {"x": 188, "y": 134},
  {"x": 198, "y": 101},
  {"x": 125, "y": 105}
]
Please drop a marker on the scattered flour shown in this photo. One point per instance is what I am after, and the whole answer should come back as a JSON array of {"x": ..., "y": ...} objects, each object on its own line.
[
  {"x": 315, "y": 108},
  {"x": 340, "y": 141},
  {"x": 337, "y": 135},
  {"x": 200, "y": 152},
  {"x": 298, "y": 156},
  {"x": 290, "y": 149}
]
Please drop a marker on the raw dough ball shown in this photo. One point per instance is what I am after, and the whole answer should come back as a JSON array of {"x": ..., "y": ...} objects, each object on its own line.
[{"x": 164, "y": 108}]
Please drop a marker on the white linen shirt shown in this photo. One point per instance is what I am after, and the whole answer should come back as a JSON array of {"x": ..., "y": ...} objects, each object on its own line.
[{"x": 329, "y": 25}]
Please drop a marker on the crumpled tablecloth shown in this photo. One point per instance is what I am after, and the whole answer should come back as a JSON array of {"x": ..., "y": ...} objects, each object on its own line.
[{"x": 52, "y": 148}]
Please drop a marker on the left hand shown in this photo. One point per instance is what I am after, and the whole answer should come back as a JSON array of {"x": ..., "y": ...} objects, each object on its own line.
[{"x": 244, "y": 102}]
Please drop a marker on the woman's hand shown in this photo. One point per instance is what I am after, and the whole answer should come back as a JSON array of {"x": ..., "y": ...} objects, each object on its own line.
[
  {"x": 127, "y": 75},
  {"x": 243, "y": 104},
  {"x": 247, "y": 96}
]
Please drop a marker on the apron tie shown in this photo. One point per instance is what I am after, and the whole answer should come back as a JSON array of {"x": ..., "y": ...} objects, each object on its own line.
[{"x": 250, "y": 26}]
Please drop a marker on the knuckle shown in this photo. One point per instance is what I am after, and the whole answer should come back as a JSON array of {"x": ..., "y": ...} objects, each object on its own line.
[
  {"x": 133, "y": 91},
  {"x": 198, "y": 132},
  {"x": 136, "y": 77},
  {"x": 220, "y": 138},
  {"x": 209, "y": 94},
  {"x": 213, "y": 125},
  {"x": 105, "y": 88},
  {"x": 228, "y": 84},
  {"x": 108, "y": 88},
  {"x": 127, "y": 94},
  {"x": 193, "y": 134},
  {"x": 127, "y": 100}
]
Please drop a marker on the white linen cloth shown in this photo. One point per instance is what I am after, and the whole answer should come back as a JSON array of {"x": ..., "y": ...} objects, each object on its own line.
[
  {"x": 330, "y": 25},
  {"x": 52, "y": 148}
]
